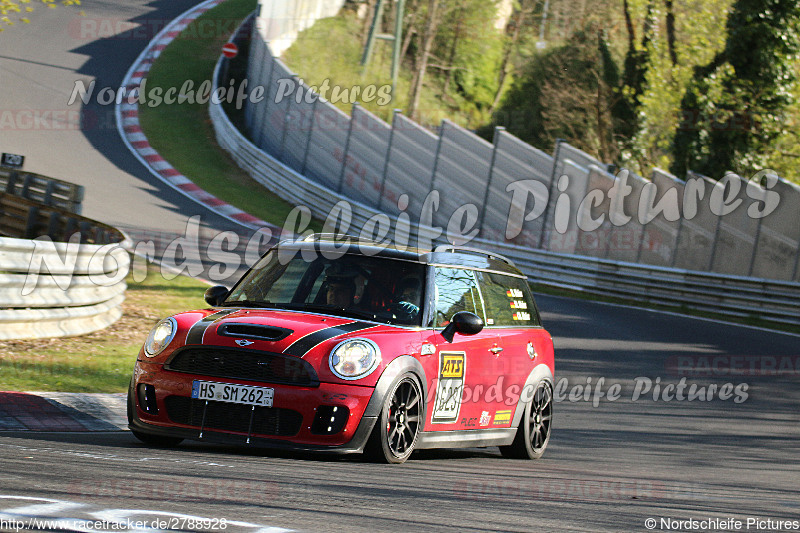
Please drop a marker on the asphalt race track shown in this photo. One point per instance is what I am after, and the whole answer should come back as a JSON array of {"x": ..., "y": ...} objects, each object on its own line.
[{"x": 610, "y": 466}]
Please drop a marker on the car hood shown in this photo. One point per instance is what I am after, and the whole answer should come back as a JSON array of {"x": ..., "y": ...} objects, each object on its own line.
[
  {"x": 309, "y": 336},
  {"x": 290, "y": 332}
]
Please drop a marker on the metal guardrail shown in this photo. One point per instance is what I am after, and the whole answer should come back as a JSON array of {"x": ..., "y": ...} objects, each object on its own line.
[
  {"x": 735, "y": 296},
  {"x": 47, "y": 191},
  {"x": 726, "y": 295},
  {"x": 59, "y": 298},
  {"x": 28, "y": 219},
  {"x": 56, "y": 289}
]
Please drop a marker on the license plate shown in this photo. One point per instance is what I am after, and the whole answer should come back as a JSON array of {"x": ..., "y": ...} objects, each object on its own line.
[{"x": 227, "y": 392}]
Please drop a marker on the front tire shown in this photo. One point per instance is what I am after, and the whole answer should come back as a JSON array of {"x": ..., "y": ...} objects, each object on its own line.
[
  {"x": 398, "y": 427},
  {"x": 533, "y": 432}
]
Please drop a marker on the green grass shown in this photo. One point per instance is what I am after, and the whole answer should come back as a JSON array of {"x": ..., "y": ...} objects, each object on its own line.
[
  {"x": 183, "y": 134},
  {"x": 680, "y": 309},
  {"x": 101, "y": 361}
]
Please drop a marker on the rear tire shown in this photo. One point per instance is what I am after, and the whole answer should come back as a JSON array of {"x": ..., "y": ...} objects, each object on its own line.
[
  {"x": 533, "y": 432},
  {"x": 395, "y": 433}
]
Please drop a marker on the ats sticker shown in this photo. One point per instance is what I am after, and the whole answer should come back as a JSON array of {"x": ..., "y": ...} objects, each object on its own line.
[
  {"x": 450, "y": 388},
  {"x": 502, "y": 418}
]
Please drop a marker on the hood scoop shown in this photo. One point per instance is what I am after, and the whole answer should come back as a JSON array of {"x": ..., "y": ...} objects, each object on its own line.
[{"x": 254, "y": 331}]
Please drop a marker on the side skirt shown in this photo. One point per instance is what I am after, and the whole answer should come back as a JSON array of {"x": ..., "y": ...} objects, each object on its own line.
[{"x": 473, "y": 438}]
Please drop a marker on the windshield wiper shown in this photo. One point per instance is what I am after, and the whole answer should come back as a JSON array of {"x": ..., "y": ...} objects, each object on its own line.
[
  {"x": 333, "y": 310},
  {"x": 246, "y": 303}
]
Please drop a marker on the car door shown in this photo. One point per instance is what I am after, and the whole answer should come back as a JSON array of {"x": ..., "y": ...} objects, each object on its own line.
[
  {"x": 462, "y": 370},
  {"x": 511, "y": 312}
]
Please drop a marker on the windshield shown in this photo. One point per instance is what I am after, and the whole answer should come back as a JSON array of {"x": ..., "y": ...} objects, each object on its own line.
[{"x": 371, "y": 288}]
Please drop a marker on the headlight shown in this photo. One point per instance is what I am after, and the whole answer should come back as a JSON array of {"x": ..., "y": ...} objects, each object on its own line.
[
  {"x": 160, "y": 337},
  {"x": 354, "y": 358}
]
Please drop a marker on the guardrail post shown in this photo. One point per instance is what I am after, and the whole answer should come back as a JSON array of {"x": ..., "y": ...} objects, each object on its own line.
[
  {"x": 489, "y": 179},
  {"x": 13, "y": 177},
  {"x": 308, "y": 135},
  {"x": 31, "y": 223},
  {"x": 26, "y": 185},
  {"x": 388, "y": 155},
  {"x": 257, "y": 140},
  {"x": 287, "y": 118},
  {"x": 755, "y": 249},
  {"x": 85, "y": 229},
  {"x": 53, "y": 225},
  {"x": 48, "y": 193},
  {"x": 70, "y": 228},
  {"x": 550, "y": 191},
  {"x": 436, "y": 156},
  {"x": 249, "y": 115},
  {"x": 346, "y": 148}
]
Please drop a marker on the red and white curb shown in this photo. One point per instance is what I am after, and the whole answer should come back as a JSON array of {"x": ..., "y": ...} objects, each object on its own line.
[{"x": 130, "y": 130}]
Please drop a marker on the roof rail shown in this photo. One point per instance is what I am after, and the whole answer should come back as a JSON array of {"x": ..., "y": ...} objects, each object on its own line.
[{"x": 475, "y": 251}]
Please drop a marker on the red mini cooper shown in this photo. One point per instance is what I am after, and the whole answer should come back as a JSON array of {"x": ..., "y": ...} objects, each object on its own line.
[{"x": 330, "y": 346}]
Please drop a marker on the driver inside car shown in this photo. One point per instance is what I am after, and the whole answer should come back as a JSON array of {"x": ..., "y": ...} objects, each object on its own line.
[
  {"x": 341, "y": 287},
  {"x": 406, "y": 308}
]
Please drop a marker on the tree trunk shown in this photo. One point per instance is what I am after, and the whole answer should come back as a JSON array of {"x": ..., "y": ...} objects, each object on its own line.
[
  {"x": 671, "y": 32},
  {"x": 452, "y": 55},
  {"x": 425, "y": 51},
  {"x": 367, "y": 21},
  {"x": 518, "y": 21},
  {"x": 411, "y": 30},
  {"x": 629, "y": 26}
]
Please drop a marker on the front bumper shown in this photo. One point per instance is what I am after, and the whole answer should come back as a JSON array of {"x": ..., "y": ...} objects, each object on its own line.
[{"x": 306, "y": 401}]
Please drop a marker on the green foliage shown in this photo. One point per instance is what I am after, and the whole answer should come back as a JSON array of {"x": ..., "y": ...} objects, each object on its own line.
[
  {"x": 468, "y": 35},
  {"x": 745, "y": 94},
  {"x": 566, "y": 92},
  {"x": 467, "y": 49}
]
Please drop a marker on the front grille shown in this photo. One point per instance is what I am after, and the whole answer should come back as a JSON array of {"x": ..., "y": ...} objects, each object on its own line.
[
  {"x": 233, "y": 417},
  {"x": 244, "y": 364}
]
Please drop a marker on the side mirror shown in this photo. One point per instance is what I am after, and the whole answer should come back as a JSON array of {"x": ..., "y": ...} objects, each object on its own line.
[
  {"x": 463, "y": 322},
  {"x": 216, "y": 295}
]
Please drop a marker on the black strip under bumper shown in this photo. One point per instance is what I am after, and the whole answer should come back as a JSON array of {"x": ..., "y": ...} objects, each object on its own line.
[{"x": 356, "y": 444}]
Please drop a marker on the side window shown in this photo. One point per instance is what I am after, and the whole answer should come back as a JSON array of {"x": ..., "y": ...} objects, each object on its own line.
[
  {"x": 456, "y": 290},
  {"x": 508, "y": 300}
]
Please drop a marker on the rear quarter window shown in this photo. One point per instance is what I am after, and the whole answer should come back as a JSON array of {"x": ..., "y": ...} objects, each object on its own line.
[{"x": 507, "y": 300}]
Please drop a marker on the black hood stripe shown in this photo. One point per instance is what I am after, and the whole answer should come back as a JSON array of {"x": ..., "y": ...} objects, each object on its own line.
[
  {"x": 303, "y": 345},
  {"x": 196, "y": 332}
]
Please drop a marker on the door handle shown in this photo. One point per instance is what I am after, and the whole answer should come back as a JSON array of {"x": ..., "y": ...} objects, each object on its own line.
[{"x": 495, "y": 349}]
